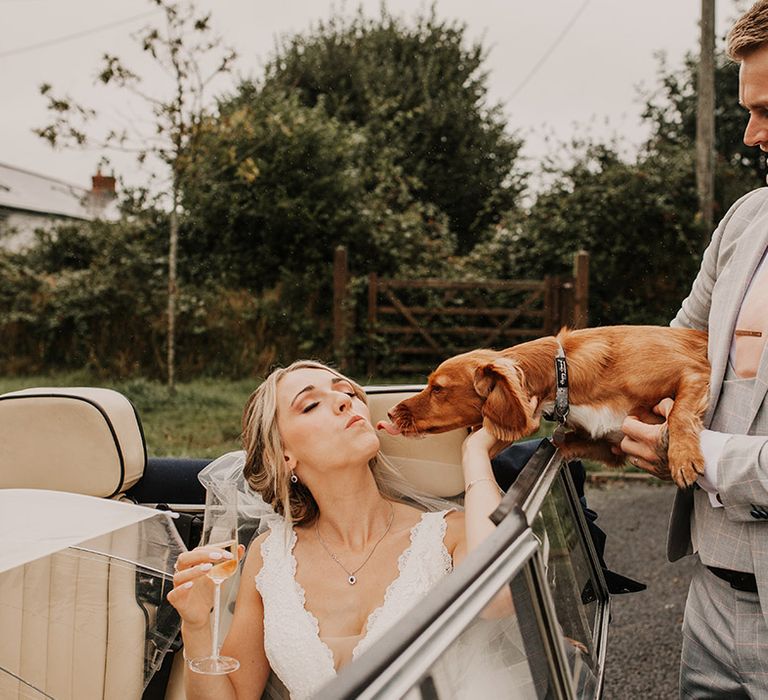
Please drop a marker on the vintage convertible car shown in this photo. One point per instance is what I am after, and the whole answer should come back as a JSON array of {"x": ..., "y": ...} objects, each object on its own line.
[{"x": 85, "y": 566}]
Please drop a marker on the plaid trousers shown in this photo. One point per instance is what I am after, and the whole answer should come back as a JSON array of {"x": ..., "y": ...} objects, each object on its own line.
[{"x": 725, "y": 642}]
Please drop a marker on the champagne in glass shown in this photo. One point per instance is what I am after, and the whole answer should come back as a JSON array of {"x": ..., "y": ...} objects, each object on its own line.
[
  {"x": 219, "y": 533},
  {"x": 226, "y": 567}
]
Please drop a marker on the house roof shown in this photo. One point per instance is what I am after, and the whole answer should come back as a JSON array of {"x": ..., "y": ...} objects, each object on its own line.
[{"x": 26, "y": 191}]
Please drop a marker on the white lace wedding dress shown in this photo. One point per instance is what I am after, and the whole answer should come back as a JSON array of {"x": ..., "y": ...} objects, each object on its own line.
[{"x": 294, "y": 648}]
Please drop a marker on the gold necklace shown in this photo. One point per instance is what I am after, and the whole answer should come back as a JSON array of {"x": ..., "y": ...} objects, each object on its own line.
[{"x": 351, "y": 578}]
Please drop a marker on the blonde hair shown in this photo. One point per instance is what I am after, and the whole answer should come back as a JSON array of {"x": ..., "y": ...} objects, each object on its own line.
[
  {"x": 749, "y": 33},
  {"x": 265, "y": 469}
]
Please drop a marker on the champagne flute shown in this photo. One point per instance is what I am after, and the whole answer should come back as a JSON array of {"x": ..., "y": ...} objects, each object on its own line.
[{"x": 219, "y": 532}]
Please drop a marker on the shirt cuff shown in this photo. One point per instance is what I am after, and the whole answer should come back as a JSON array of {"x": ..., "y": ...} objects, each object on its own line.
[{"x": 712, "y": 446}]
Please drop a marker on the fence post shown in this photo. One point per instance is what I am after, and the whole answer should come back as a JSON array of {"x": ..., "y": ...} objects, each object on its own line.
[
  {"x": 581, "y": 289},
  {"x": 373, "y": 295},
  {"x": 549, "y": 310},
  {"x": 566, "y": 303},
  {"x": 340, "y": 281}
]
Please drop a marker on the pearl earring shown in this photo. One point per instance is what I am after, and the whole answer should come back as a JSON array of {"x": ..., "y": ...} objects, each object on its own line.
[{"x": 294, "y": 478}]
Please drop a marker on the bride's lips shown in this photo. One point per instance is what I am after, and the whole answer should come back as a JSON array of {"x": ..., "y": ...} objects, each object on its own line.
[{"x": 353, "y": 420}]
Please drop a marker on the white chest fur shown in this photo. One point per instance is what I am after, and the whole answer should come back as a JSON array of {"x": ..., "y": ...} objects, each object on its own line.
[{"x": 597, "y": 421}]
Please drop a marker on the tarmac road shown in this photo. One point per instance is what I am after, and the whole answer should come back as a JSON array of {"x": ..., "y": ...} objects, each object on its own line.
[{"x": 644, "y": 636}]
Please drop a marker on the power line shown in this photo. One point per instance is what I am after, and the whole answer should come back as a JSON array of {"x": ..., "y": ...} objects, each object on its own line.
[
  {"x": 76, "y": 35},
  {"x": 551, "y": 49}
]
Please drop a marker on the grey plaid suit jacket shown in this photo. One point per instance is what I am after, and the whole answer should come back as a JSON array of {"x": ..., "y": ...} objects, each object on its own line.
[{"x": 729, "y": 263}]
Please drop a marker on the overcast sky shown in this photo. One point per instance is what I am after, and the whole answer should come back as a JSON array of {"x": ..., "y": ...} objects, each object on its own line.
[{"x": 554, "y": 65}]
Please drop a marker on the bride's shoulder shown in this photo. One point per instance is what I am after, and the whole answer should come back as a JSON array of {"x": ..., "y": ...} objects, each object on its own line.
[
  {"x": 409, "y": 517},
  {"x": 254, "y": 559}
]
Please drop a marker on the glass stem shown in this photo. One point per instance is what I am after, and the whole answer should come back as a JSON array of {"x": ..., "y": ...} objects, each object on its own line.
[{"x": 215, "y": 635}]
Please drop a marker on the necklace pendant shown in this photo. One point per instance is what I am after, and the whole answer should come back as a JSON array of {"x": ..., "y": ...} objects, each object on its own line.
[{"x": 352, "y": 580}]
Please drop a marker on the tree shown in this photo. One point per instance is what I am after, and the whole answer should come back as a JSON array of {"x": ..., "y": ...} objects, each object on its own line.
[
  {"x": 185, "y": 50},
  {"x": 670, "y": 110},
  {"x": 420, "y": 93},
  {"x": 637, "y": 220},
  {"x": 276, "y": 186}
]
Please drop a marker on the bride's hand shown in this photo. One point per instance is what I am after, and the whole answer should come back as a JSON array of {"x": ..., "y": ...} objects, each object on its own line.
[
  {"x": 482, "y": 440},
  {"x": 192, "y": 593}
]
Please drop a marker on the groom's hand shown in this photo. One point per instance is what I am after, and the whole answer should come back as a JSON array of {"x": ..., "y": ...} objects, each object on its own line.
[{"x": 646, "y": 444}]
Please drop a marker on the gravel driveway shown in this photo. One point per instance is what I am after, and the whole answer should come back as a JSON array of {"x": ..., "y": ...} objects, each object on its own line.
[{"x": 644, "y": 636}]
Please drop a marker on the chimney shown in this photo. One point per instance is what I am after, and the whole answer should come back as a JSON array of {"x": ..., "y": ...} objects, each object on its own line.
[
  {"x": 102, "y": 186},
  {"x": 100, "y": 196}
]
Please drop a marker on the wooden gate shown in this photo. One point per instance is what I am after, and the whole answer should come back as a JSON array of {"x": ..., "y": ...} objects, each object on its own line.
[{"x": 414, "y": 324}]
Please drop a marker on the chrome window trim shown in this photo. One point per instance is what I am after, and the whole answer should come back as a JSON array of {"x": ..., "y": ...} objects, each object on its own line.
[
  {"x": 189, "y": 508},
  {"x": 393, "y": 388},
  {"x": 541, "y": 597},
  {"x": 604, "y": 598},
  {"x": 531, "y": 486},
  {"x": 532, "y": 504},
  {"x": 403, "y": 674},
  {"x": 530, "y": 489}
]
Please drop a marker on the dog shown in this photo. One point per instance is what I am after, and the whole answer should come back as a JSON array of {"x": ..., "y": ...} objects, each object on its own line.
[{"x": 613, "y": 371}]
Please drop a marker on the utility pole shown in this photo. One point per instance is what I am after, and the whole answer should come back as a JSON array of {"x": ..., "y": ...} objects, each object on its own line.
[{"x": 705, "y": 118}]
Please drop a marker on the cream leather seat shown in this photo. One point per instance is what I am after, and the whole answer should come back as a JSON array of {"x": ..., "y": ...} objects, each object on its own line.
[
  {"x": 80, "y": 439},
  {"x": 71, "y": 623}
]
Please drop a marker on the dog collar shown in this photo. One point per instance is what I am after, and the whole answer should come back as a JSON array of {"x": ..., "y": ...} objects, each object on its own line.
[{"x": 561, "y": 407}]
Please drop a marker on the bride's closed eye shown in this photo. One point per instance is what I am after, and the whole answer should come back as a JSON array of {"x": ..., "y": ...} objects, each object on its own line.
[
  {"x": 344, "y": 390},
  {"x": 309, "y": 407}
]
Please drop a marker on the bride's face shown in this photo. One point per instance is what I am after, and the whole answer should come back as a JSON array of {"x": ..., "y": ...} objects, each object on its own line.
[{"x": 323, "y": 425}]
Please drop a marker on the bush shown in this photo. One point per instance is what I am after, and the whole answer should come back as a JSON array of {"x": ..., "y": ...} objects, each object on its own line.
[{"x": 94, "y": 296}]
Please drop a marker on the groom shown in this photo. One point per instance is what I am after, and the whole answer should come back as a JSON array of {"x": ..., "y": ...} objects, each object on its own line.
[{"x": 723, "y": 519}]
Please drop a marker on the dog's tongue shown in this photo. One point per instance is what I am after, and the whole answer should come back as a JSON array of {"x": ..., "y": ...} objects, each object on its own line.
[{"x": 388, "y": 427}]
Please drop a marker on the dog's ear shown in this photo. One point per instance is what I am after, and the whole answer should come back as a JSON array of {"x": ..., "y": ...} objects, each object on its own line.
[{"x": 507, "y": 412}]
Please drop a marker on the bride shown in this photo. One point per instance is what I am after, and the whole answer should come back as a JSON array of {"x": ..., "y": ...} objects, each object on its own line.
[{"x": 349, "y": 555}]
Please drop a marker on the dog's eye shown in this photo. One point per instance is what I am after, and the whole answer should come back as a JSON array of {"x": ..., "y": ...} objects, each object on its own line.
[{"x": 436, "y": 389}]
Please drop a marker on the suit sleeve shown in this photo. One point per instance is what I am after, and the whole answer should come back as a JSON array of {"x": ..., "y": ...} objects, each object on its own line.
[
  {"x": 742, "y": 468},
  {"x": 743, "y": 476}
]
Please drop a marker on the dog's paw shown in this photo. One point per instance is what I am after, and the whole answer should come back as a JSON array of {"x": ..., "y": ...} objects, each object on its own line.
[
  {"x": 685, "y": 473},
  {"x": 685, "y": 462}
]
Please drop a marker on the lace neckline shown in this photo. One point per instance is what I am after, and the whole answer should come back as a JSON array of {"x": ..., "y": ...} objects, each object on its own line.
[{"x": 374, "y": 615}]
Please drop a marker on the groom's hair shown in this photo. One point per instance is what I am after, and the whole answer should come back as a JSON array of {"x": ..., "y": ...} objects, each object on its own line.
[{"x": 749, "y": 33}]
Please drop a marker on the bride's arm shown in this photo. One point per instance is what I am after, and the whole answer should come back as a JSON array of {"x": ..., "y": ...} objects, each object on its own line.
[
  {"x": 244, "y": 641},
  {"x": 481, "y": 497},
  {"x": 482, "y": 494}
]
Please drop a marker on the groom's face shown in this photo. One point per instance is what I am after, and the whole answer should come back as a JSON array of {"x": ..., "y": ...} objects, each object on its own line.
[{"x": 753, "y": 96}]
